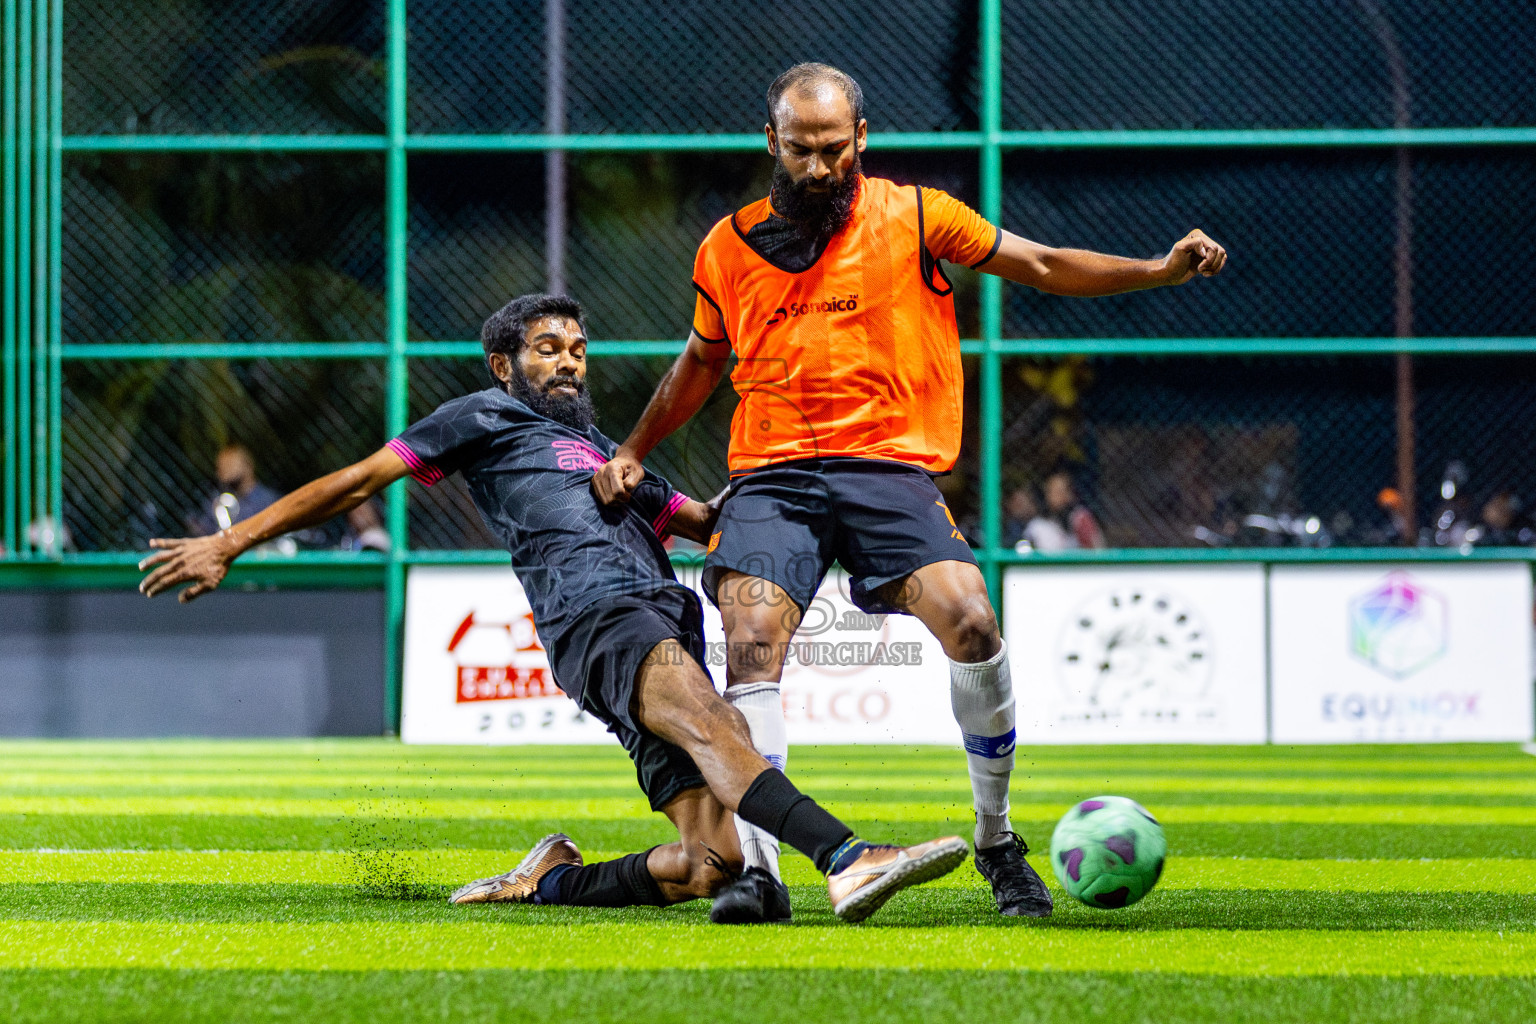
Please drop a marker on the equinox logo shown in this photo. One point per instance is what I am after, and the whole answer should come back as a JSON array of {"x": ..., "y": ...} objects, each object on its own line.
[{"x": 807, "y": 308}]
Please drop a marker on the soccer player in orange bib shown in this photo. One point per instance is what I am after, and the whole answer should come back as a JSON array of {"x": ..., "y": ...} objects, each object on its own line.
[{"x": 832, "y": 294}]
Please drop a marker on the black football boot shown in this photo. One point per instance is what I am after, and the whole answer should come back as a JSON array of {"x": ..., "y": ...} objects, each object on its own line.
[
  {"x": 1015, "y": 885},
  {"x": 754, "y": 897}
]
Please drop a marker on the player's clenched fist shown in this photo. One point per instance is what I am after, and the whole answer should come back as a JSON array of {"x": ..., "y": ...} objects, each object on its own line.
[
  {"x": 618, "y": 478},
  {"x": 1194, "y": 254}
]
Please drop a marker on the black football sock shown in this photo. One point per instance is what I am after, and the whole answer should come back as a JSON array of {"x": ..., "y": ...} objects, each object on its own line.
[
  {"x": 773, "y": 804},
  {"x": 625, "y": 882}
]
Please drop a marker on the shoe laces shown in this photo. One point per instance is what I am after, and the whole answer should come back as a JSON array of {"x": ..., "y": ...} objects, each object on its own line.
[
  {"x": 1018, "y": 843},
  {"x": 1016, "y": 881},
  {"x": 713, "y": 859}
]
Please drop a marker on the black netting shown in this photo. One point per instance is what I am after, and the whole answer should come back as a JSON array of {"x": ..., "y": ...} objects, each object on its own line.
[
  {"x": 444, "y": 516},
  {"x": 278, "y": 246},
  {"x": 182, "y": 66},
  {"x": 476, "y": 239},
  {"x": 1075, "y": 64},
  {"x": 477, "y": 233},
  {"x": 1195, "y": 451},
  {"x": 269, "y": 247},
  {"x": 691, "y": 66},
  {"x": 140, "y": 437},
  {"x": 1311, "y": 239}
]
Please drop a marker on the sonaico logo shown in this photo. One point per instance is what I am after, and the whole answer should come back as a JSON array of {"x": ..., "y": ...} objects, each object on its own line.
[
  {"x": 499, "y": 661},
  {"x": 795, "y": 309},
  {"x": 1399, "y": 626}
]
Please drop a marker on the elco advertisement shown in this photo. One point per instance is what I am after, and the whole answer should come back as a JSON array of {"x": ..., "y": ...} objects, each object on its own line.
[{"x": 475, "y": 671}]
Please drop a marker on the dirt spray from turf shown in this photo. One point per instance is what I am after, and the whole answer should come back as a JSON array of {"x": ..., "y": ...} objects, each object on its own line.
[{"x": 377, "y": 843}]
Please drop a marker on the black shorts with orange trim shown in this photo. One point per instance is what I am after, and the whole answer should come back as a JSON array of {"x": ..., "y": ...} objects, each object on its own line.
[
  {"x": 788, "y": 522},
  {"x": 597, "y": 658}
]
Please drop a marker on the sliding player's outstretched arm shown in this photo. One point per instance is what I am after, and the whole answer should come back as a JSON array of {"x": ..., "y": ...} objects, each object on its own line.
[
  {"x": 203, "y": 561},
  {"x": 681, "y": 393},
  {"x": 1084, "y": 274},
  {"x": 696, "y": 519}
]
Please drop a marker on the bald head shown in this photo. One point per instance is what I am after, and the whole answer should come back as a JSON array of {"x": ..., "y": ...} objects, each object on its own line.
[{"x": 829, "y": 93}]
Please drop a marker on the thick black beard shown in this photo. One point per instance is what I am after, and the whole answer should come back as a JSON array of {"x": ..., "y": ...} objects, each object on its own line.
[
  {"x": 815, "y": 215},
  {"x": 574, "y": 411}
]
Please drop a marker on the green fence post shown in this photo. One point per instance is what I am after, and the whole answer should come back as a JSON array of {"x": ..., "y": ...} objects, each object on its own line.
[
  {"x": 55, "y": 267},
  {"x": 39, "y": 285},
  {"x": 396, "y": 395},
  {"x": 25, "y": 98},
  {"x": 991, "y": 300},
  {"x": 8, "y": 212}
]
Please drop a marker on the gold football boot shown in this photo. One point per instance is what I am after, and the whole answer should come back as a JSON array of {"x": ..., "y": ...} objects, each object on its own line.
[
  {"x": 519, "y": 884},
  {"x": 880, "y": 872}
]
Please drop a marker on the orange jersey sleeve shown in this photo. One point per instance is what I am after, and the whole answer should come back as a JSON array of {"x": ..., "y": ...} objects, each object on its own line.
[
  {"x": 708, "y": 319},
  {"x": 955, "y": 232}
]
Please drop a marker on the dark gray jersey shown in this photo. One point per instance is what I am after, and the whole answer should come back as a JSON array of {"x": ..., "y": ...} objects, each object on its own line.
[{"x": 530, "y": 478}]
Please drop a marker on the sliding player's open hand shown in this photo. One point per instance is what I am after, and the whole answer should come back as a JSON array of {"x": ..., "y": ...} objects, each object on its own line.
[
  {"x": 1194, "y": 254},
  {"x": 618, "y": 478},
  {"x": 200, "y": 561}
]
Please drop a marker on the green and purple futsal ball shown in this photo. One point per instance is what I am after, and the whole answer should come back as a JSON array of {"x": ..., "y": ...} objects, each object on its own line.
[{"x": 1108, "y": 852}]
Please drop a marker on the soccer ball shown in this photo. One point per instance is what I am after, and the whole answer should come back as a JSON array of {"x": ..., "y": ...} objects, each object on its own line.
[{"x": 1108, "y": 852}]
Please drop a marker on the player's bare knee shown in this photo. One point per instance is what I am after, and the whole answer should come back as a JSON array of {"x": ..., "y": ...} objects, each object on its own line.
[
  {"x": 754, "y": 659},
  {"x": 975, "y": 636}
]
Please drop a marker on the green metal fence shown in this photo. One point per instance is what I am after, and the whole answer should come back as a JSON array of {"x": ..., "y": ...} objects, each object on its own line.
[{"x": 84, "y": 130}]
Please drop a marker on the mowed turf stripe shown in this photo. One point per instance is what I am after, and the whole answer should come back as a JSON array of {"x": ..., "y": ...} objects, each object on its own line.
[
  {"x": 365, "y": 755},
  {"x": 953, "y": 781},
  {"x": 475, "y": 946},
  {"x": 928, "y": 906},
  {"x": 894, "y": 811},
  {"x": 457, "y": 866},
  {"x": 900, "y": 762},
  {"x": 740, "y": 997}
]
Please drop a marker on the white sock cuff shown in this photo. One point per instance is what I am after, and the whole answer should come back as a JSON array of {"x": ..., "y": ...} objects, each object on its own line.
[
  {"x": 763, "y": 708},
  {"x": 980, "y": 674},
  {"x": 741, "y": 691}
]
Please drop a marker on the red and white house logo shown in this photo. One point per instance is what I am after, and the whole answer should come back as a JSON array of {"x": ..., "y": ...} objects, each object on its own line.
[{"x": 499, "y": 661}]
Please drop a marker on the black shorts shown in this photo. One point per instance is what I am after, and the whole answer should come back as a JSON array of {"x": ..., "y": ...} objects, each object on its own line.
[
  {"x": 596, "y": 658},
  {"x": 786, "y": 523}
]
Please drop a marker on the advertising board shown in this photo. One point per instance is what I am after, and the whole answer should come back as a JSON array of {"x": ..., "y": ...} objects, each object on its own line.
[
  {"x": 1401, "y": 654},
  {"x": 1137, "y": 654},
  {"x": 476, "y": 672}
]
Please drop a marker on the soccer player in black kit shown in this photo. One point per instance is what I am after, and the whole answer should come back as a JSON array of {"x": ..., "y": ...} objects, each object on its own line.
[{"x": 625, "y": 639}]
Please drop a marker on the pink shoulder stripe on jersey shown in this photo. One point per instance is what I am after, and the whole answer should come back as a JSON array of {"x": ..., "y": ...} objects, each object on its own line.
[
  {"x": 664, "y": 518},
  {"x": 421, "y": 472}
]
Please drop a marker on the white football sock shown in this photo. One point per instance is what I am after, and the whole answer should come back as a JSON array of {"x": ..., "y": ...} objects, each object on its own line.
[
  {"x": 981, "y": 694},
  {"x": 763, "y": 709}
]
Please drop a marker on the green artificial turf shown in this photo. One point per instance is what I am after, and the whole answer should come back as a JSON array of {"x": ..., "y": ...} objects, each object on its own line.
[{"x": 305, "y": 881}]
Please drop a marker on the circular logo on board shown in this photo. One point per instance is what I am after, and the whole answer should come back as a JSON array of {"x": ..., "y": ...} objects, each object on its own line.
[{"x": 1134, "y": 645}]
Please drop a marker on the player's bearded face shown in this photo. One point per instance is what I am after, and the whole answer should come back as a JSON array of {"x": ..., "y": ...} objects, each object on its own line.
[
  {"x": 821, "y": 214},
  {"x": 551, "y": 397}
]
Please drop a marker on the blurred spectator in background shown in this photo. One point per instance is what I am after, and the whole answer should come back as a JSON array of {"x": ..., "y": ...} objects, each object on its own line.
[
  {"x": 239, "y": 495},
  {"x": 1502, "y": 523},
  {"x": 1063, "y": 508},
  {"x": 365, "y": 529},
  {"x": 1020, "y": 508}
]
